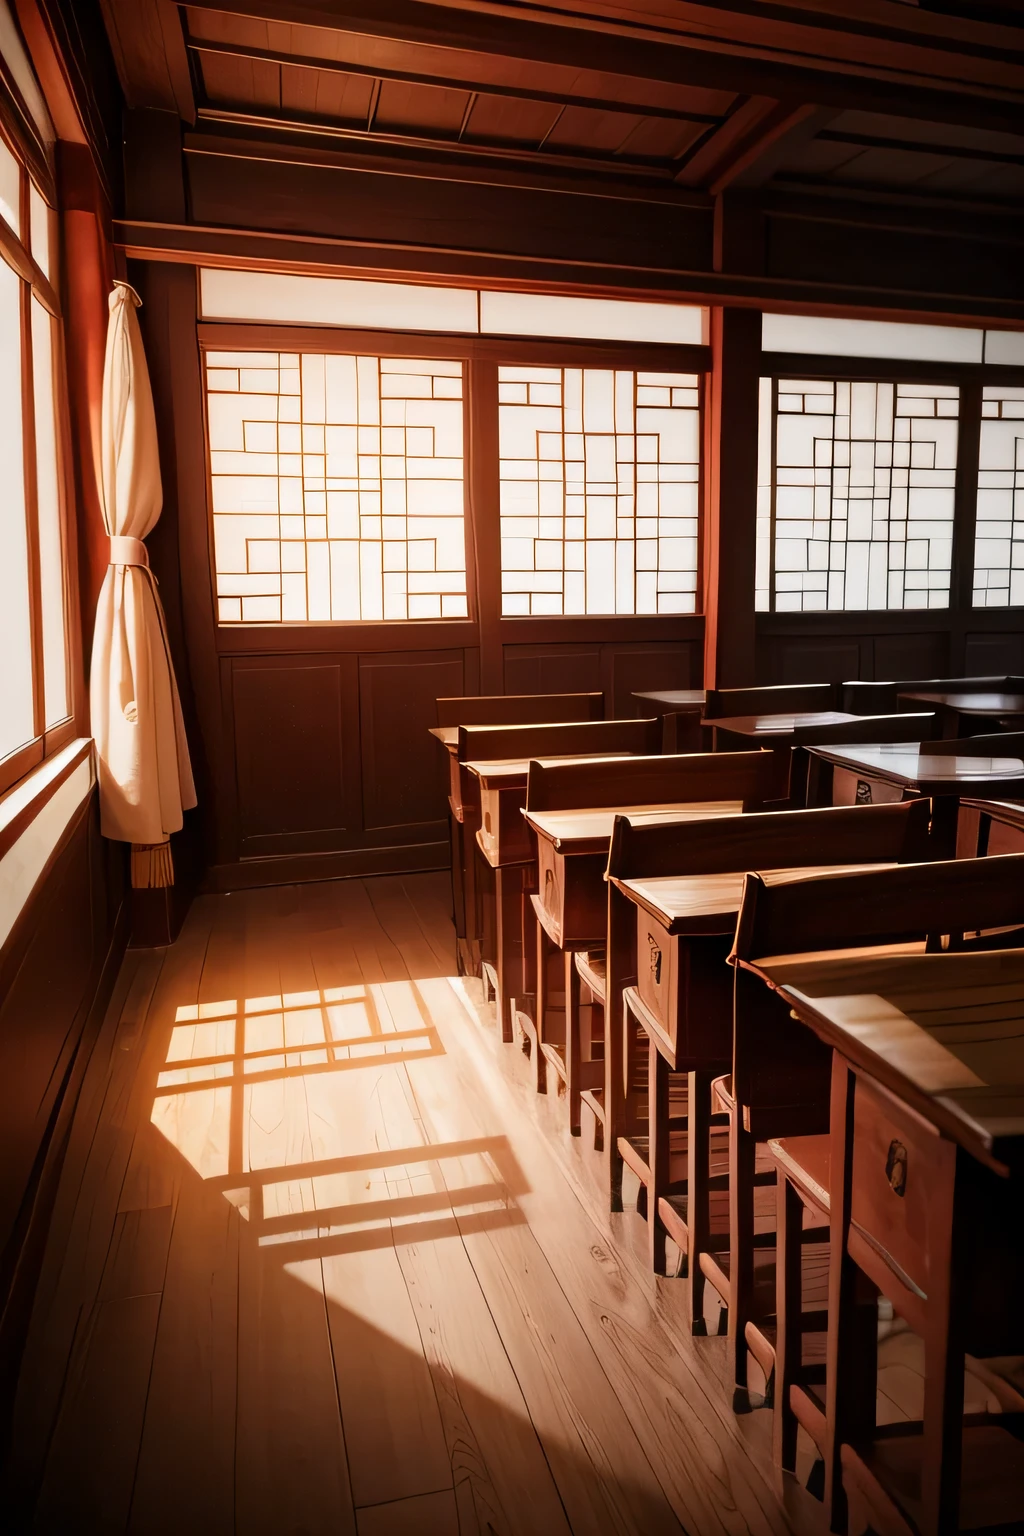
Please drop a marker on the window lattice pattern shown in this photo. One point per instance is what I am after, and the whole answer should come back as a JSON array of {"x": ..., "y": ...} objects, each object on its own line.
[
  {"x": 856, "y": 499},
  {"x": 999, "y": 541},
  {"x": 599, "y": 490},
  {"x": 337, "y": 487}
]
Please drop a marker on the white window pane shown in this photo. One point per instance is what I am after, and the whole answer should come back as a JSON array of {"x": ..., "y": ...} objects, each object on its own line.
[
  {"x": 828, "y": 336},
  {"x": 51, "y": 554},
  {"x": 10, "y": 188},
  {"x": 999, "y": 533},
  {"x": 859, "y": 508},
  {"x": 16, "y": 715},
  {"x": 347, "y": 505},
  {"x": 40, "y": 229},
  {"x": 550, "y": 314},
  {"x": 598, "y": 490},
  {"x": 293, "y": 300}
]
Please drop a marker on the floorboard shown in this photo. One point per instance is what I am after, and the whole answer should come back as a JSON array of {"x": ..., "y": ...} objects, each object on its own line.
[{"x": 322, "y": 1261}]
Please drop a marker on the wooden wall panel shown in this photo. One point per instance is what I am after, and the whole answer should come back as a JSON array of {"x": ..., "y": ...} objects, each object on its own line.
[
  {"x": 339, "y": 201},
  {"x": 292, "y": 761},
  {"x": 987, "y": 655},
  {"x": 57, "y": 971},
  {"x": 630, "y": 669},
  {"x": 402, "y": 782},
  {"x": 814, "y": 659},
  {"x": 553, "y": 668},
  {"x": 924, "y": 654}
]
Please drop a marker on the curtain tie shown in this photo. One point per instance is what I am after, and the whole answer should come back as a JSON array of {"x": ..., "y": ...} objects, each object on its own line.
[{"x": 124, "y": 551}]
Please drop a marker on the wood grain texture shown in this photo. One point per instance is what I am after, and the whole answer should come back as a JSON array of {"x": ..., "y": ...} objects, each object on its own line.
[{"x": 345, "y": 1280}]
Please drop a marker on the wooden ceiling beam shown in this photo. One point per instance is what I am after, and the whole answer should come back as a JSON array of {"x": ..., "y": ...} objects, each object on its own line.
[
  {"x": 750, "y": 144},
  {"x": 665, "y": 55},
  {"x": 251, "y": 249},
  {"x": 149, "y": 52},
  {"x": 633, "y": 104},
  {"x": 441, "y": 160}
]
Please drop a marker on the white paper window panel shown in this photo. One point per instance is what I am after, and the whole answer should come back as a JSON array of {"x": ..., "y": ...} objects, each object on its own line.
[
  {"x": 825, "y": 335},
  {"x": 292, "y": 300},
  {"x": 999, "y": 527},
  {"x": 16, "y": 699},
  {"x": 10, "y": 188},
  {"x": 337, "y": 487},
  {"x": 549, "y": 314},
  {"x": 51, "y": 553},
  {"x": 1006, "y": 347},
  {"x": 858, "y": 512},
  {"x": 599, "y": 492}
]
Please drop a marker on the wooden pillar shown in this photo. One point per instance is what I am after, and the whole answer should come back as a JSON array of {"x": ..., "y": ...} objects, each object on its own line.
[
  {"x": 730, "y": 501},
  {"x": 87, "y": 272}
]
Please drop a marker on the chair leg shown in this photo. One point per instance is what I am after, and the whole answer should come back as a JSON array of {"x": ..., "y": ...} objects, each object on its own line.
[
  {"x": 543, "y": 951},
  {"x": 657, "y": 1152},
  {"x": 573, "y": 1043},
  {"x": 508, "y": 905},
  {"x": 788, "y": 1307},
  {"x": 698, "y": 1196},
  {"x": 742, "y": 1151}
]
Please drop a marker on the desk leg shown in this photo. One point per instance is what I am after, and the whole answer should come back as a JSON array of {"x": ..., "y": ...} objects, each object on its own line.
[
  {"x": 509, "y": 908},
  {"x": 573, "y": 1040},
  {"x": 657, "y": 1148},
  {"x": 698, "y": 1206},
  {"x": 945, "y": 813},
  {"x": 944, "y": 1360},
  {"x": 852, "y": 1350},
  {"x": 458, "y": 891}
]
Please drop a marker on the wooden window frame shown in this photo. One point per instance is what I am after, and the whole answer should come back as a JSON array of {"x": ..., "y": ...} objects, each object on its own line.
[
  {"x": 16, "y": 251},
  {"x": 481, "y": 357},
  {"x": 971, "y": 379}
]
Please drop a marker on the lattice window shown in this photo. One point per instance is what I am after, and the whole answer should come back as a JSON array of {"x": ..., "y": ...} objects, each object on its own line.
[
  {"x": 999, "y": 538},
  {"x": 599, "y": 490},
  {"x": 337, "y": 487},
  {"x": 856, "y": 490}
]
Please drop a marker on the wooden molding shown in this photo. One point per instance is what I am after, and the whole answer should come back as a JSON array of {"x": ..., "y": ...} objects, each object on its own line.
[{"x": 300, "y": 868}]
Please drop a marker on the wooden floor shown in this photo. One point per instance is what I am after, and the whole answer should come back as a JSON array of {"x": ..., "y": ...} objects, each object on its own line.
[{"x": 323, "y": 1262}]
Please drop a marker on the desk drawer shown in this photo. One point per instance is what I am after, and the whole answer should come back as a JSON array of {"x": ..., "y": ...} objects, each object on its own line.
[{"x": 504, "y": 834}]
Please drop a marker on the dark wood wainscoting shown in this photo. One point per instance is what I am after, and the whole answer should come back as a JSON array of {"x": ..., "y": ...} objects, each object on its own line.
[
  {"x": 333, "y": 770},
  {"x": 616, "y": 667},
  {"x": 57, "y": 972},
  {"x": 835, "y": 647}
]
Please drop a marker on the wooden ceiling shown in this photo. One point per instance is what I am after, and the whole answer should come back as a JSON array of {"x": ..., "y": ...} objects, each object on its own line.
[
  {"x": 867, "y": 93},
  {"x": 916, "y": 104}
]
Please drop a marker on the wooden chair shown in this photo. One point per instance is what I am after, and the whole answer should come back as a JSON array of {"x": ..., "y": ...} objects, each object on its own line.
[
  {"x": 501, "y": 930},
  {"x": 520, "y": 708},
  {"x": 681, "y": 1002},
  {"x": 495, "y": 709},
  {"x": 917, "y": 1249},
  {"x": 571, "y": 903},
  {"x": 777, "y": 699},
  {"x": 990, "y": 826}
]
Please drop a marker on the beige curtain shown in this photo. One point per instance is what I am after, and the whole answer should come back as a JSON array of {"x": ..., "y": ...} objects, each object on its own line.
[{"x": 145, "y": 777}]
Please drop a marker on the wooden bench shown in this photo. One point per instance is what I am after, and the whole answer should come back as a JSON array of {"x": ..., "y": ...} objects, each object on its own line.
[
  {"x": 570, "y": 811},
  {"x": 673, "y": 900},
  {"x": 923, "y": 1184},
  {"x": 490, "y": 709},
  {"x": 514, "y": 746}
]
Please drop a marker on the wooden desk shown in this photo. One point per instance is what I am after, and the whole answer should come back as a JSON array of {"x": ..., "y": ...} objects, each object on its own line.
[
  {"x": 680, "y": 711},
  {"x": 502, "y": 836},
  {"x": 927, "y": 1180},
  {"x": 869, "y": 774},
  {"x": 570, "y": 906},
  {"x": 956, "y": 707},
  {"x": 775, "y": 730},
  {"x": 572, "y": 852}
]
